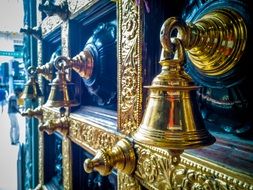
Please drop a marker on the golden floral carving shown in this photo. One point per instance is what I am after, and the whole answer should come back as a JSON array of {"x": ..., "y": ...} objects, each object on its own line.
[
  {"x": 155, "y": 171},
  {"x": 49, "y": 24},
  {"x": 67, "y": 163},
  {"x": 76, "y": 6},
  {"x": 91, "y": 136},
  {"x": 130, "y": 75},
  {"x": 126, "y": 182},
  {"x": 41, "y": 158},
  {"x": 65, "y": 39}
]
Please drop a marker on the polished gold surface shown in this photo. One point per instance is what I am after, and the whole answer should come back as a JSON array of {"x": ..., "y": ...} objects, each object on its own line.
[
  {"x": 62, "y": 92},
  {"x": 171, "y": 120},
  {"x": 153, "y": 166},
  {"x": 155, "y": 171},
  {"x": 129, "y": 53},
  {"x": 37, "y": 113},
  {"x": 82, "y": 63},
  {"x": 67, "y": 163},
  {"x": 121, "y": 157},
  {"x": 214, "y": 42}
]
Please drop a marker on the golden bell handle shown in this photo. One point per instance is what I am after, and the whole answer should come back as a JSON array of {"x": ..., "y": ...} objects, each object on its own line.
[{"x": 121, "y": 157}]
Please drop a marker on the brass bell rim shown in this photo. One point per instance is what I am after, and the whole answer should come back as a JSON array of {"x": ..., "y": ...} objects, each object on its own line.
[
  {"x": 51, "y": 103},
  {"x": 172, "y": 139},
  {"x": 166, "y": 88}
]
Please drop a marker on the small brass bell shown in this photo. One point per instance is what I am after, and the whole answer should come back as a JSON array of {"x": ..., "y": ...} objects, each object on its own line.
[
  {"x": 32, "y": 89},
  {"x": 172, "y": 119},
  {"x": 62, "y": 92}
]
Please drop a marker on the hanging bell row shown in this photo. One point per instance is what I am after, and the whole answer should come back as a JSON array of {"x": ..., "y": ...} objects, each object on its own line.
[{"x": 172, "y": 119}]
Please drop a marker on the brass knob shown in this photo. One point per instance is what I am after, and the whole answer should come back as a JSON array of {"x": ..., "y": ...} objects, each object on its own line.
[
  {"x": 61, "y": 124},
  {"x": 37, "y": 113},
  {"x": 121, "y": 157}
]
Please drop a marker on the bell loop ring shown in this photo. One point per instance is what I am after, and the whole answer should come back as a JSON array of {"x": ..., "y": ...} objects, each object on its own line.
[
  {"x": 32, "y": 71},
  {"x": 171, "y": 25},
  {"x": 61, "y": 63}
]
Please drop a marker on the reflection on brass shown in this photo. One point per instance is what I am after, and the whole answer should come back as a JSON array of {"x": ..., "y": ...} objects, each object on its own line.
[
  {"x": 62, "y": 92},
  {"x": 121, "y": 156},
  {"x": 32, "y": 90},
  {"x": 51, "y": 9},
  {"x": 61, "y": 124},
  {"x": 36, "y": 32},
  {"x": 82, "y": 63},
  {"x": 215, "y": 42},
  {"x": 172, "y": 119},
  {"x": 37, "y": 113}
]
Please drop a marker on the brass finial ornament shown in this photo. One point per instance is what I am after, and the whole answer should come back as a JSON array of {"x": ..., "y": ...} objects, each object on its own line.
[
  {"x": 32, "y": 90},
  {"x": 121, "y": 156},
  {"x": 82, "y": 63},
  {"x": 172, "y": 119},
  {"x": 62, "y": 93},
  {"x": 214, "y": 43}
]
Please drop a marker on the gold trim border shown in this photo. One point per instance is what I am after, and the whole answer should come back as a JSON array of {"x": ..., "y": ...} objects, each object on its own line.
[
  {"x": 155, "y": 171},
  {"x": 129, "y": 66}
]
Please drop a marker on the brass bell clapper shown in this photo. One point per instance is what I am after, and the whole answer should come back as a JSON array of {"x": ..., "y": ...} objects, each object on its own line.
[{"x": 172, "y": 119}]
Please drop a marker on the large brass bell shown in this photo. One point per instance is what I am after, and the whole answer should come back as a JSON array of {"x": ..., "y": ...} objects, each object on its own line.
[
  {"x": 62, "y": 92},
  {"x": 32, "y": 89},
  {"x": 172, "y": 119}
]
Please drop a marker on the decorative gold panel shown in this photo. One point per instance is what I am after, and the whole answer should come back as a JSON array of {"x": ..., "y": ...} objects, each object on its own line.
[
  {"x": 49, "y": 24},
  {"x": 155, "y": 171},
  {"x": 126, "y": 182},
  {"x": 41, "y": 158},
  {"x": 77, "y": 6},
  {"x": 67, "y": 163},
  {"x": 129, "y": 66},
  {"x": 87, "y": 134}
]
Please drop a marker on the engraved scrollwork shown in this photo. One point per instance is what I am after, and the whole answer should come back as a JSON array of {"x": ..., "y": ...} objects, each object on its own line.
[
  {"x": 49, "y": 24},
  {"x": 67, "y": 168},
  {"x": 64, "y": 38},
  {"x": 127, "y": 182},
  {"x": 155, "y": 171},
  {"x": 91, "y": 136},
  {"x": 41, "y": 158},
  {"x": 190, "y": 179},
  {"x": 130, "y": 72}
]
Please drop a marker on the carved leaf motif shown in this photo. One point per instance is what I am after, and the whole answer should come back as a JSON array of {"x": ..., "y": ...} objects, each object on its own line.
[
  {"x": 128, "y": 182},
  {"x": 130, "y": 67},
  {"x": 153, "y": 169},
  {"x": 49, "y": 24},
  {"x": 91, "y": 136},
  {"x": 184, "y": 178}
]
